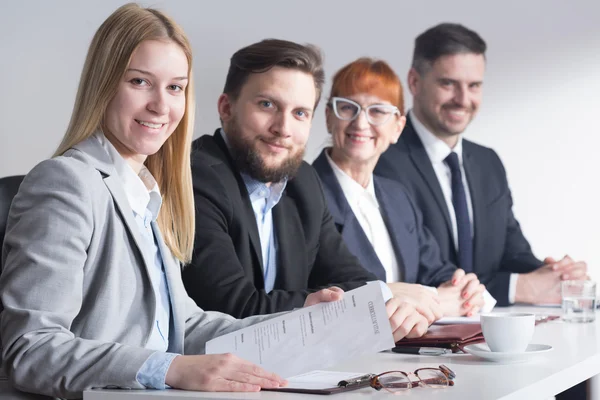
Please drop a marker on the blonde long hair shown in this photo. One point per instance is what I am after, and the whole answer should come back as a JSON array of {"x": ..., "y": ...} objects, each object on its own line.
[{"x": 106, "y": 62}]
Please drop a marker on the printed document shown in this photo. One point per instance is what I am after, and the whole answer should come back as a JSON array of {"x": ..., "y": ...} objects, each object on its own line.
[{"x": 314, "y": 337}]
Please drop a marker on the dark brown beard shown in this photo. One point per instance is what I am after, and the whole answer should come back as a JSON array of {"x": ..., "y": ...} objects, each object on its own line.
[{"x": 249, "y": 161}]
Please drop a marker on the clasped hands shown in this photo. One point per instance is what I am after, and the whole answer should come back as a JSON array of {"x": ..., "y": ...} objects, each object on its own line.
[
  {"x": 542, "y": 286},
  {"x": 462, "y": 295}
]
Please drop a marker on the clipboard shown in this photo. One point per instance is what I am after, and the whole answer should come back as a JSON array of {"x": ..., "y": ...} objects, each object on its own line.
[
  {"x": 323, "y": 383},
  {"x": 333, "y": 390}
]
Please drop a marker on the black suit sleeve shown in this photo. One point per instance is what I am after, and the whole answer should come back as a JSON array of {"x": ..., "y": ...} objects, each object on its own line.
[
  {"x": 433, "y": 269},
  {"x": 517, "y": 256}
]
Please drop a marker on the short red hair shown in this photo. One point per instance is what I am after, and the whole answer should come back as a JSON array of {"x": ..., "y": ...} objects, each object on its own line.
[{"x": 369, "y": 76}]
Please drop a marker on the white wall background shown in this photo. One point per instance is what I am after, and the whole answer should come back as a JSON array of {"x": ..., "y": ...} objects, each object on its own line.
[{"x": 539, "y": 111}]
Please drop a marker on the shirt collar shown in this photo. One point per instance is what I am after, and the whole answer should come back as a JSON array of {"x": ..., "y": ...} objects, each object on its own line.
[
  {"x": 224, "y": 136},
  {"x": 352, "y": 189},
  {"x": 436, "y": 148},
  {"x": 141, "y": 190}
]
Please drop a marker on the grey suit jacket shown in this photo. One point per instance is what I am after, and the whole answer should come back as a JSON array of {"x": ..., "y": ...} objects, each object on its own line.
[{"x": 78, "y": 301}]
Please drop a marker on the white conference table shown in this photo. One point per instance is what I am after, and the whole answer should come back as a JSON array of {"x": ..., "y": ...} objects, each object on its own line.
[{"x": 575, "y": 358}]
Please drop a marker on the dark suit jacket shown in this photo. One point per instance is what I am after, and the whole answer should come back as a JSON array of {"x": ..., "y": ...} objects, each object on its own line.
[
  {"x": 499, "y": 245},
  {"x": 416, "y": 250},
  {"x": 226, "y": 272}
]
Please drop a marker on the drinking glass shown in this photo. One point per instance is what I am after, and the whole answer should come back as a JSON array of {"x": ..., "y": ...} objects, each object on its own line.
[{"x": 578, "y": 301}]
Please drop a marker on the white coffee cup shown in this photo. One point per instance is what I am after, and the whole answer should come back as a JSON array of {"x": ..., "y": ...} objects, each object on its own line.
[{"x": 508, "y": 332}]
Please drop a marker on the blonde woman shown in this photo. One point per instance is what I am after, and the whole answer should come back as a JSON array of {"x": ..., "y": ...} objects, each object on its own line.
[{"x": 91, "y": 285}]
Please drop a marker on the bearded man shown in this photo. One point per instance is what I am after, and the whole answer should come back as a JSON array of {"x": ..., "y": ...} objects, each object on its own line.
[{"x": 265, "y": 240}]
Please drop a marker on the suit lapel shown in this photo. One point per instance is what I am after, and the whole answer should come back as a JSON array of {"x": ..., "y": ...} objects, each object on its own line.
[
  {"x": 291, "y": 263},
  {"x": 394, "y": 221},
  {"x": 251, "y": 224},
  {"x": 345, "y": 220},
  {"x": 356, "y": 240},
  {"x": 422, "y": 163},
  {"x": 475, "y": 183},
  {"x": 338, "y": 206},
  {"x": 115, "y": 186},
  {"x": 248, "y": 211},
  {"x": 100, "y": 160}
]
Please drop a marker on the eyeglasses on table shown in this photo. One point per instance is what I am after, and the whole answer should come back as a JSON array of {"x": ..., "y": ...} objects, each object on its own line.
[{"x": 400, "y": 381}]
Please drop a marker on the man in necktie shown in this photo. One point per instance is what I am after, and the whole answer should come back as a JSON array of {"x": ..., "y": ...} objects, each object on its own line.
[
  {"x": 461, "y": 187},
  {"x": 463, "y": 225}
]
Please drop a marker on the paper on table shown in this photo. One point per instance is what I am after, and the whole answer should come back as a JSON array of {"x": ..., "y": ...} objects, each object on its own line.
[
  {"x": 549, "y": 305},
  {"x": 320, "y": 379},
  {"x": 458, "y": 320},
  {"x": 313, "y": 337}
]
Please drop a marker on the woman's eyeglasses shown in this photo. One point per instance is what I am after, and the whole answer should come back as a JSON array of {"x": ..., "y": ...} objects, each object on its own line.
[{"x": 348, "y": 110}]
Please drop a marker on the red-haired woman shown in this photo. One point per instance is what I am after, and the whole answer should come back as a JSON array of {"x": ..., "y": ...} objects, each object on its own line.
[{"x": 376, "y": 216}]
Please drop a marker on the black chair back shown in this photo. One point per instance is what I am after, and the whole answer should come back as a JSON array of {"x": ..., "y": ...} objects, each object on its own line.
[{"x": 9, "y": 187}]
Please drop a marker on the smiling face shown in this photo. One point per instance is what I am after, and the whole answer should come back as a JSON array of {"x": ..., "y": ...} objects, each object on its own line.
[
  {"x": 357, "y": 141},
  {"x": 448, "y": 95},
  {"x": 150, "y": 101},
  {"x": 267, "y": 126}
]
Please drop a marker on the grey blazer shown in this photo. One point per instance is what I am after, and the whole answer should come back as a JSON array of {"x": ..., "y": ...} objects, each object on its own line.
[{"x": 78, "y": 302}]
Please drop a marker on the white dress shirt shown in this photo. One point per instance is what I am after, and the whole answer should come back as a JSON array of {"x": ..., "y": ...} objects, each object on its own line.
[
  {"x": 437, "y": 150},
  {"x": 365, "y": 207}
]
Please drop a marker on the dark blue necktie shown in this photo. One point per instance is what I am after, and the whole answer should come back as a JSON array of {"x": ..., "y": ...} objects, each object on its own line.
[{"x": 459, "y": 201}]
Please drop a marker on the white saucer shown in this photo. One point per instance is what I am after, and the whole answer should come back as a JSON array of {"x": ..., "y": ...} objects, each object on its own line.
[{"x": 482, "y": 350}]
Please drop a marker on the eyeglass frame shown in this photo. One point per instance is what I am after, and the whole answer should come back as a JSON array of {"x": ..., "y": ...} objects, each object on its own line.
[
  {"x": 450, "y": 375},
  {"x": 334, "y": 100}
]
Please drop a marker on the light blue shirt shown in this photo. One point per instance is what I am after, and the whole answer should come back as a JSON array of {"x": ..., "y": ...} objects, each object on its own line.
[
  {"x": 145, "y": 201},
  {"x": 153, "y": 372},
  {"x": 263, "y": 198}
]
